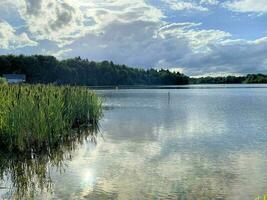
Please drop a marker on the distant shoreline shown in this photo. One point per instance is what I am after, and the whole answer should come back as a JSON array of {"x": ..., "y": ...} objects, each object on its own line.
[
  {"x": 82, "y": 72},
  {"x": 189, "y": 86}
]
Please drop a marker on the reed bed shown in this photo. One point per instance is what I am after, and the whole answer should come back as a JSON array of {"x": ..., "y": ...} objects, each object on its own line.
[
  {"x": 3, "y": 80},
  {"x": 38, "y": 117}
]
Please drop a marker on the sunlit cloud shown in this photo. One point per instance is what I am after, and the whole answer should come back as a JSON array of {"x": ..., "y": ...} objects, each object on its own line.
[
  {"x": 9, "y": 39},
  {"x": 253, "y": 6}
]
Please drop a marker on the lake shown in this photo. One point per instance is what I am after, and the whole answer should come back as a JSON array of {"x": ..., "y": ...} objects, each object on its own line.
[{"x": 200, "y": 142}]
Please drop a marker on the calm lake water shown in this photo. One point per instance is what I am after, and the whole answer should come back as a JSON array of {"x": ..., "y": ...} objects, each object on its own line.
[{"x": 196, "y": 143}]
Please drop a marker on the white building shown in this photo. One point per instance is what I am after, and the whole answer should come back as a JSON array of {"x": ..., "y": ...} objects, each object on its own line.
[{"x": 15, "y": 78}]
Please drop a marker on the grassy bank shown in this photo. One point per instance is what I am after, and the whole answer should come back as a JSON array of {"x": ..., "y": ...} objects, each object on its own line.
[{"x": 38, "y": 117}]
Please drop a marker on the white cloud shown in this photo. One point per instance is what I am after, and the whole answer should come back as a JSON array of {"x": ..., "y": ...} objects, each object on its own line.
[
  {"x": 209, "y": 2},
  {"x": 58, "y": 21},
  {"x": 67, "y": 20},
  {"x": 103, "y": 13},
  {"x": 56, "y": 53},
  {"x": 198, "y": 39},
  {"x": 231, "y": 56},
  {"x": 253, "y": 6},
  {"x": 10, "y": 40},
  {"x": 185, "y": 5}
]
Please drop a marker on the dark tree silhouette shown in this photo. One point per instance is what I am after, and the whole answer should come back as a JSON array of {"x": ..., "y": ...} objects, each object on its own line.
[{"x": 77, "y": 71}]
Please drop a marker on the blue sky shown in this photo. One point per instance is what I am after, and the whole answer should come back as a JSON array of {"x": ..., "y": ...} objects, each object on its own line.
[{"x": 196, "y": 37}]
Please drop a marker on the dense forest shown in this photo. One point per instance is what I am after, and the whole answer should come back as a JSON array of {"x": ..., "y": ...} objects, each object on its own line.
[
  {"x": 77, "y": 71},
  {"x": 217, "y": 80},
  {"x": 250, "y": 78}
]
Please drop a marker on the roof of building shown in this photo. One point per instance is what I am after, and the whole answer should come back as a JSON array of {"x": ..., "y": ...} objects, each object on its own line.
[{"x": 15, "y": 76}]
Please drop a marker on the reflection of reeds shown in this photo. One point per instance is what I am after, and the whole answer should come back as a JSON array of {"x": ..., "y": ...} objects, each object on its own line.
[
  {"x": 38, "y": 117},
  {"x": 29, "y": 174}
]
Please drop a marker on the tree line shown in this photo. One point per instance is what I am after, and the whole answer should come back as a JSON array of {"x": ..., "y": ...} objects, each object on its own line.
[
  {"x": 77, "y": 71},
  {"x": 250, "y": 78}
]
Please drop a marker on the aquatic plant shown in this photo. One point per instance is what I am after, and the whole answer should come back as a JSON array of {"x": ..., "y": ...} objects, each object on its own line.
[
  {"x": 36, "y": 118},
  {"x": 3, "y": 80}
]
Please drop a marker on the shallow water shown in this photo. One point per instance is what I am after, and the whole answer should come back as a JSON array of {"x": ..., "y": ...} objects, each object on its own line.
[{"x": 196, "y": 143}]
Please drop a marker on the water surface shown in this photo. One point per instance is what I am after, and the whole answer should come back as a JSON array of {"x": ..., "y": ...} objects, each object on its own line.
[{"x": 196, "y": 143}]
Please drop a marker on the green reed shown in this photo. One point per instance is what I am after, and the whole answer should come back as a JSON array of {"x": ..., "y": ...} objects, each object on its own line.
[
  {"x": 38, "y": 117},
  {"x": 3, "y": 80}
]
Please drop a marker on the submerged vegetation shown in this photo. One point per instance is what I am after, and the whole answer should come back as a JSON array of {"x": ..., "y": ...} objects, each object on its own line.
[{"x": 36, "y": 118}]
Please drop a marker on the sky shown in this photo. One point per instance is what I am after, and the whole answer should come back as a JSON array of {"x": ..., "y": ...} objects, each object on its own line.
[{"x": 195, "y": 37}]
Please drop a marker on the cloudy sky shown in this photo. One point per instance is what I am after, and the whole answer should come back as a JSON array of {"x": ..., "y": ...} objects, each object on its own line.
[{"x": 196, "y": 37}]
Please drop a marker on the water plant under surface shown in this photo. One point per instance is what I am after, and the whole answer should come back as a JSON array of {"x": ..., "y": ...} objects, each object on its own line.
[{"x": 37, "y": 118}]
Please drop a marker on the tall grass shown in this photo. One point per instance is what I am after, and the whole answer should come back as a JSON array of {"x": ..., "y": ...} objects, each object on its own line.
[
  {"x": 3, "y": 80},
  {"x": 38, "y": 117}
]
